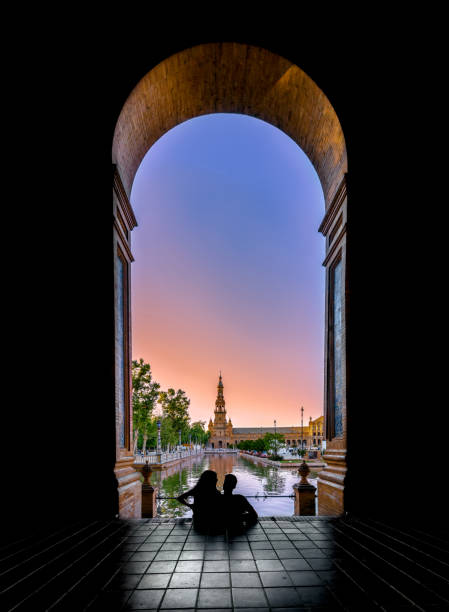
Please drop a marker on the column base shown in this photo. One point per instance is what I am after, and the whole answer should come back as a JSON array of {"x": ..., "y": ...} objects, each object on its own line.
[
  {"x": 129, "y": 488},
  {"x": 331, "y": 501},
  {"x": 149, "y": 502}
]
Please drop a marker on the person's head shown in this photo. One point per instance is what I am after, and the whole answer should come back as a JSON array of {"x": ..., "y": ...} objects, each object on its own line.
[
  {"x": 206, "y": 482},
  {"x": 229, "y": 484}
]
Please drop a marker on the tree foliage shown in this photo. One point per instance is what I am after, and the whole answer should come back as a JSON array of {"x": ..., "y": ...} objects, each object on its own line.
[
  {"x": 169, "y": 434},
  {"x": 198, "y": 433},
  {"x": 175, "y": 406},
  {"x": 146, "y": 395},
  {"x": 270, "y": 443},
  {"x": 273, "y": 442}
]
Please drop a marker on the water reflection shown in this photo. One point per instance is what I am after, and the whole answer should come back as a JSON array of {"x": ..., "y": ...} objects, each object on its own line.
[{"x": 253, "y": 478}]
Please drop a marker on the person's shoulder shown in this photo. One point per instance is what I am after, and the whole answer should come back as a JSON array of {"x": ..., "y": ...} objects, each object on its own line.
[{"x": 240, "y": 499}]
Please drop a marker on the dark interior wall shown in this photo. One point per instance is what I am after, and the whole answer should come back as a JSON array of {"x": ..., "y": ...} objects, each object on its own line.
[{"x": 59, "y": 431}]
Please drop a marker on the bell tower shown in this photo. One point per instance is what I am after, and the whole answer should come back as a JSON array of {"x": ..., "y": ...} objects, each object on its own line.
[
  {"x": 220, "y": 430},
  {"x": 220, "y": 410}
]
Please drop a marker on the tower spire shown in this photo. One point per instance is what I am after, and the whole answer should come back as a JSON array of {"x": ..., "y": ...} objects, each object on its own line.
[{"x": 220, "y": 401}]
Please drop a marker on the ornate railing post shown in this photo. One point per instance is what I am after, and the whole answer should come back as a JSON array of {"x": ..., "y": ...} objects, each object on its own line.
[
  {"x": 149, "y": 494},
  {"x": 304, "y": 493}
]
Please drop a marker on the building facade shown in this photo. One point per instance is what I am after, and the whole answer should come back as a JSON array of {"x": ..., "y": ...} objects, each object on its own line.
[{"x": 224, "y": 435}]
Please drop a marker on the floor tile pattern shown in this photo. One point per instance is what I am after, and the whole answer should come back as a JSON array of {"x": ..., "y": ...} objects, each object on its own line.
[{"x": 282, "y": 564}]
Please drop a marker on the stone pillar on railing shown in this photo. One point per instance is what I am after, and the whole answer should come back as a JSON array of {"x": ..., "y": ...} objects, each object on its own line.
[
  {"x": 304, "y": 493},
  {"x": 149, "y": 494}
]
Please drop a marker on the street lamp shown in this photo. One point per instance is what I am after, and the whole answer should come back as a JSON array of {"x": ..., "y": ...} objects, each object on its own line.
[
  {"x": 158, "y": 423},
  {"x": 275, "y": 440},
  {"x": 302, "y": 434}
]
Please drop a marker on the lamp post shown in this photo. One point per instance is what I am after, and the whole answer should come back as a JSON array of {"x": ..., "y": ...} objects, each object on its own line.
[
  {"x": 275, "y": 440},
  {"x": 302, "y": 431},
  {"x": 158, "y": 450}
]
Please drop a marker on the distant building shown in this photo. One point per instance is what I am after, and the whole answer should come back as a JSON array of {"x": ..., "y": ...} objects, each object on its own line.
[{"x": 224, "y": 435}]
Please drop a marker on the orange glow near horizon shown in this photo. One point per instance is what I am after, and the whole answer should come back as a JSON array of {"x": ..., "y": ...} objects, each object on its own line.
[{"x": 231, "y": 282}]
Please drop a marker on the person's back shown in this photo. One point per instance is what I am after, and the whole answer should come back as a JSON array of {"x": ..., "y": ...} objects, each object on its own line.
[
  {"x": 207, "y": 504},
  {"x": 238, "y": 512},
  {"x": 207, "y": 511}
]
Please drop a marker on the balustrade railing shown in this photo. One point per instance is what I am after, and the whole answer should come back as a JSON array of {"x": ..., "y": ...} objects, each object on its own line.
[
  {"x": 154, "y": 457},
  {"x": 221, "y": 450},
  {"x": 261, "y": 496}
]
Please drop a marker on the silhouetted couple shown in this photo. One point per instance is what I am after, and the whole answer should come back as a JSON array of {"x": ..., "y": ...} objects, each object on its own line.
[{"x": 215, "y": 512}]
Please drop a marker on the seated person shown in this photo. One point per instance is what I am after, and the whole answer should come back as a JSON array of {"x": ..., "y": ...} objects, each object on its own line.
[
  {"x": 207, "y": 507},
  {"x": 239, "y": 514}
]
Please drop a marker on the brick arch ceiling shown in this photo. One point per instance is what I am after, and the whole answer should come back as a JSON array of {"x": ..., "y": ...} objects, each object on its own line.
[{"x": 230, "y": 78}]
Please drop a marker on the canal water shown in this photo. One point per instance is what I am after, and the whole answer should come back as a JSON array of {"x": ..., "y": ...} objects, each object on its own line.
[{"x": 253, "y": 478}]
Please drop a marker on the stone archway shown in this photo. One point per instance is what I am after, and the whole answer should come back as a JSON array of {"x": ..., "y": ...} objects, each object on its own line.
[{"x": 236, "y": 78}]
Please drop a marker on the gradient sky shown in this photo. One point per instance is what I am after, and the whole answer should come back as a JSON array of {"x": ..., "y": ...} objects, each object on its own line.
[{"x": 227, "y": 272}]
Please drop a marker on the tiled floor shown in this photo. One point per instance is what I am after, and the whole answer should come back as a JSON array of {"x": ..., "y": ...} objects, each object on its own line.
[{"x": 283, "y": 563}]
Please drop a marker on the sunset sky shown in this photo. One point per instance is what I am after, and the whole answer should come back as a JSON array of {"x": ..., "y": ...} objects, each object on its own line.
[{"x": 227, "y": 273}]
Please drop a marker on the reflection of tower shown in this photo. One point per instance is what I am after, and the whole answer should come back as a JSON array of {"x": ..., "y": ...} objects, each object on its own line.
[{"x": 222, "y": 464}]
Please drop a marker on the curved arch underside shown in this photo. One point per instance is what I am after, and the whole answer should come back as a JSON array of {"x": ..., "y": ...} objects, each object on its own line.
[{"x": 231, "y": 78}]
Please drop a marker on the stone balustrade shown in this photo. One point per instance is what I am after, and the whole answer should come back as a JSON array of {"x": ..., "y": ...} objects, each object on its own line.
[
  {"x": 159, "y": 458},
  {"x": 212, "y": 451}
]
